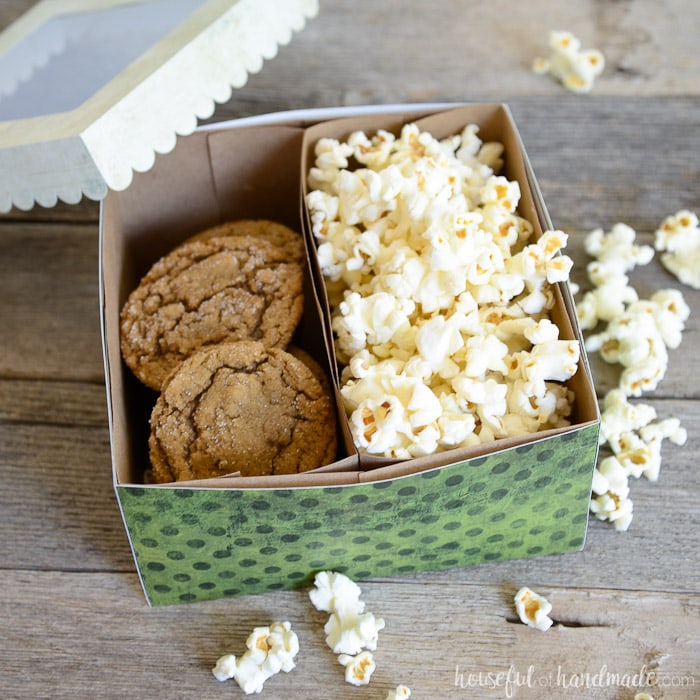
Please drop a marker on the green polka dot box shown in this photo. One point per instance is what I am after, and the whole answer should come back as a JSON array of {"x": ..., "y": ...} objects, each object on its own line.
[{"x": 200, "y": 540}]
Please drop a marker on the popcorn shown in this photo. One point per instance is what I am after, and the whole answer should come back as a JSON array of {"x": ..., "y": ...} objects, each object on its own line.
[
  {"x": 533, "y": 609},
  {"x": 334, "y": 592},
  {"x": 614, "y": 509},
  {"x": 678, "y": 238},
  {"x": 269, "y": 650},
  {"x": 619, "y": 416},
  {"x": 350, "y": 632},
  {"x": 358, "y": 669},
  {"x": 576, "y": 69},
  {"x": 402, "y": 692},
  {"x": 225, "y": 667},
  {"x": 637, "y": 335},
  {"x": 615, "y": 253},
  {"x": 432, "y": 280}
]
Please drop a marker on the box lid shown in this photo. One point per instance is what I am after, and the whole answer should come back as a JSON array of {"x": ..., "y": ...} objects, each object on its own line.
[{"x": 92, "y": 90}]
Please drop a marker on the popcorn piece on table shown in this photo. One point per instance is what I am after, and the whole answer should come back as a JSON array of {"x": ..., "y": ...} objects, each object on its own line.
[
  {"x": 643, "y": 696},
  {"x": 614, "y": 509},
  {"x": 605, "y": 302},
  {"x": 533, "y": 609},
  {"x": 359, "y": 668},
  {"x": 620, "y": 416},
  {"x": 349, "y": 630},
  {"x": 349, "y": 633},
  {"x": 574, "y": 68},
  {"x": 616, "y": 253},
  {"x": 637, "y": 339},
  {"x": 401, "y": 692},
  {"x": 333, "y": 592},
  {"x": 678, "y": 238},
  {"x": 269, "y": 650}
]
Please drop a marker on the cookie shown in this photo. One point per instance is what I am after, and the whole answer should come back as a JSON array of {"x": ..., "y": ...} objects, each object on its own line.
[
  {"x": 325, "y": 383},
  {"x": 274, "y": 232},
  {"x": 205, "y": 292},
  {"x": 240, "y": 407}
]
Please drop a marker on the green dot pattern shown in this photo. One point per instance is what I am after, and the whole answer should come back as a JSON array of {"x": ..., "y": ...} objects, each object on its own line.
[{"x": 195, "y": 544}]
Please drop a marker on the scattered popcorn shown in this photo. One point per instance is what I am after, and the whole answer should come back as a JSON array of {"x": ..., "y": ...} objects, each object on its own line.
[
  {"x": 637, "y": 336},
  {"x": 269, "y": 650},
  {"x": 533, "y": 609},
  {"x": 433, "y": 281},
  {"x": 349, "y": 630},
  {"x": 402, "y": 692},
  {"x": 619, "y": 416},
  {"x": 574, "y": 68},
  {"x": 358, "y": 669},
  {"x": 616, "y": 253},
  {"x": 643, "y": 696},
  {"x": 678, "y": 238}
]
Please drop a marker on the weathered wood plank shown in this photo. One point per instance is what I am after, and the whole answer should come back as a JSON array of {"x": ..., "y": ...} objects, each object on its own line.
[
  {"x": 72, "y": 635},
  {"x": 49, "y": 302},
  {"x": 56, "y": 403},
  {"x": 58, "y": 506}
]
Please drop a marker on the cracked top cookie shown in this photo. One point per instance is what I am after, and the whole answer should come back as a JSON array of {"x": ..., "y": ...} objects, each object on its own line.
[
  {"x": 240, "y": 407},
  {"x": 282, "y": 236},
  {"x": 210, "y": 291}
]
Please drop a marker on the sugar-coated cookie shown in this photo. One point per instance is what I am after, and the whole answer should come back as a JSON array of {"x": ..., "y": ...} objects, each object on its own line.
[
  {"x": 209, "y": 291},
  {"x": 241, "y": 407},
  {"x": 282, "y": 236}
]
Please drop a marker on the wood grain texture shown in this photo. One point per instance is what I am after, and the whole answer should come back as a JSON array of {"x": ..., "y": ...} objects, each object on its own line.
[
  {"x": 74, "y": 621},
  {"x": 90, "y": 625}
]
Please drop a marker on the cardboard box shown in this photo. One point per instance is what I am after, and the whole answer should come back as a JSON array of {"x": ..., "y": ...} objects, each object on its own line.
[{"x": 519, "y": 497}]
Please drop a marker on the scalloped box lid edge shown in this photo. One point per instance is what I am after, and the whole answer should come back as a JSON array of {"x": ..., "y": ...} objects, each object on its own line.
[{"x": 120, "y": 99}]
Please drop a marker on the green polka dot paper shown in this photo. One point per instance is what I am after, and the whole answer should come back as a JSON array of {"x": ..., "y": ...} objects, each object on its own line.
[{"x": 199, "y": 544}]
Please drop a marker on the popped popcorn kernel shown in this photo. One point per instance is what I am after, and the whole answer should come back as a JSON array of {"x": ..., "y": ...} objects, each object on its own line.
[
  {"x": 425, "y": 256},
  {"x": 533, "y": 609},
  {"x": 269, "y": 650},
  {"x": 359, "y": 668},
  {"x": 614, "y": 509},
  {"x": 678, "y": 238},
  {"x": 225, "y": 667},
  {"x": 574, "y": 68},
  {"x": 334, "y": 592},
  {"x": 348, "y": 633},
  {"x": 401, "y": 692}
]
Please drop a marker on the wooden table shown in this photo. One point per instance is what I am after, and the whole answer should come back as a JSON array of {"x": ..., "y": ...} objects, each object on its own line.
[{"x": 74, "y": 623}]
